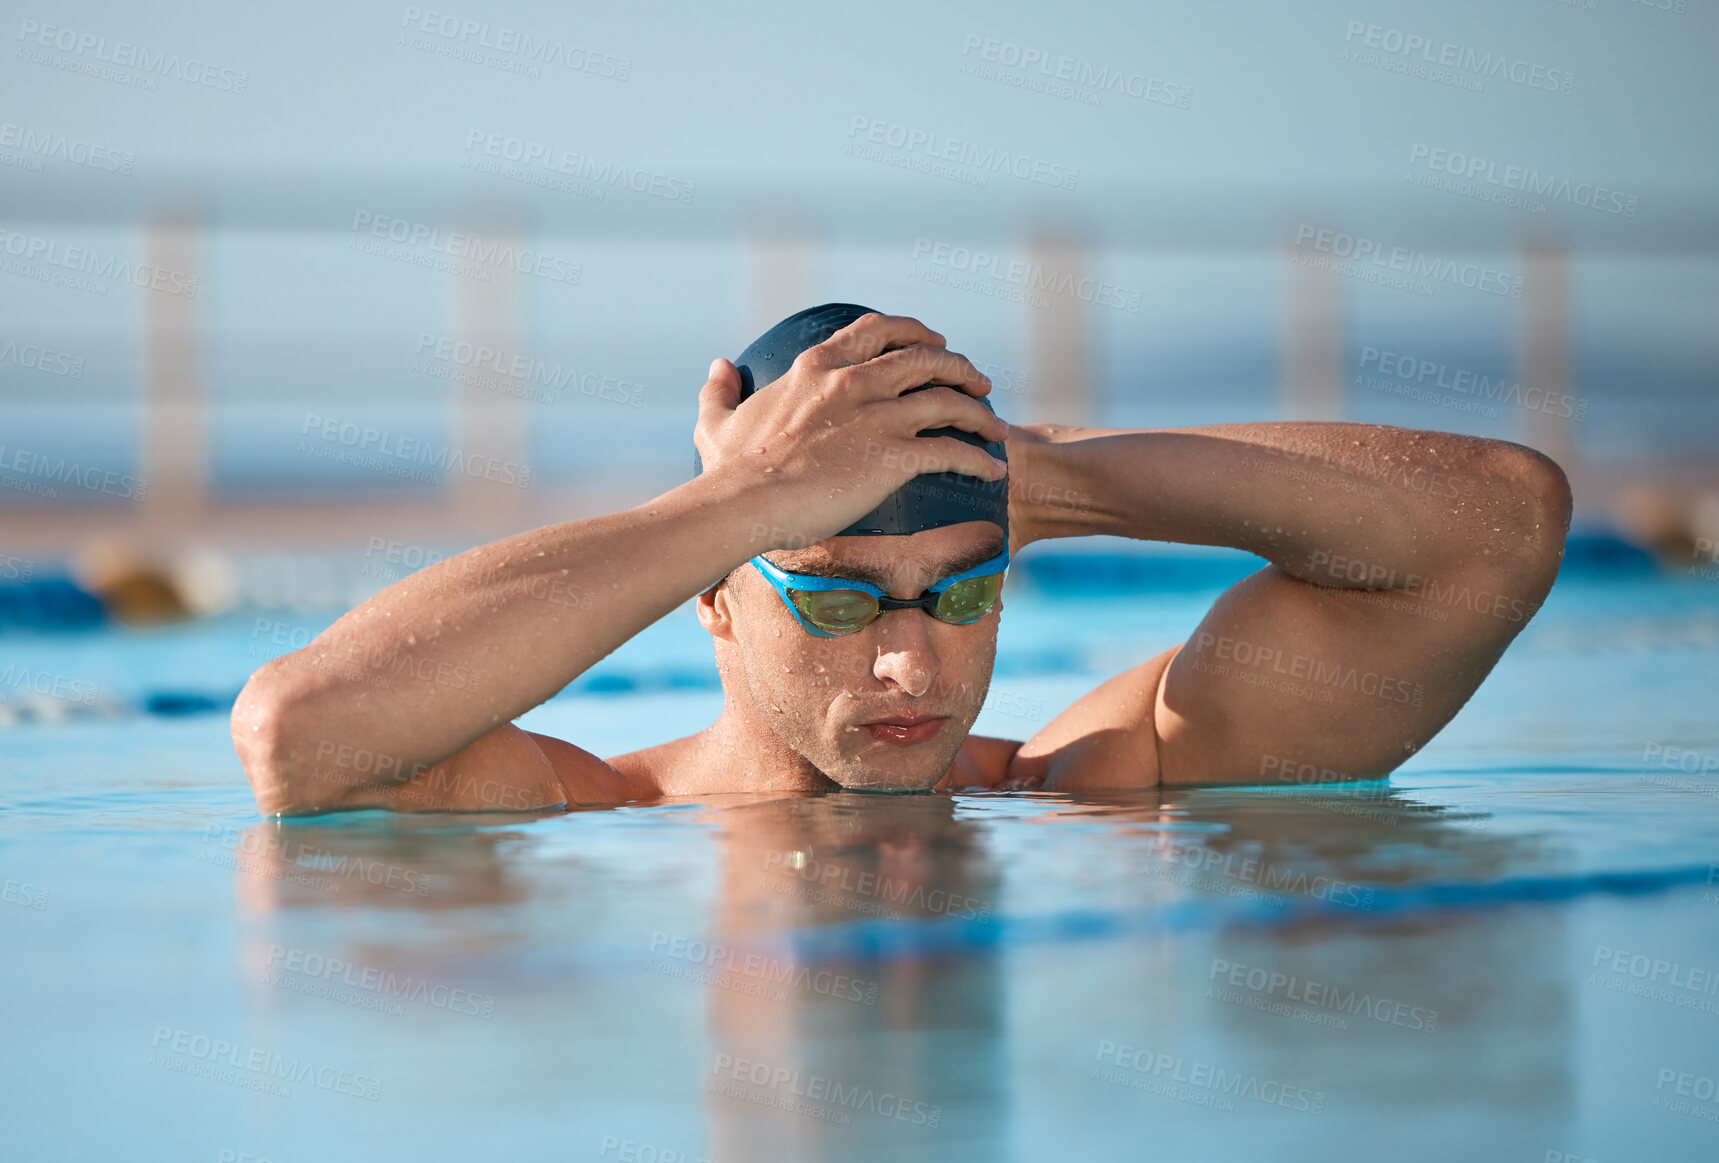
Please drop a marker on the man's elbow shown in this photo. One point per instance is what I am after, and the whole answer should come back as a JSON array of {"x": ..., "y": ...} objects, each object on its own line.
[
  {"x": 264, "y": 741},
  {"x": 1539, "y": 503},
  {"x": 1551, "y": 488}
]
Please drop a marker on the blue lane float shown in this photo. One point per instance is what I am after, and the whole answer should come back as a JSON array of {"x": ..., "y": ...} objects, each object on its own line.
[
  {"x": 176, "y": 704},
  {"x": 894, "y": 939},
  {"x": 49, "y": 603}
]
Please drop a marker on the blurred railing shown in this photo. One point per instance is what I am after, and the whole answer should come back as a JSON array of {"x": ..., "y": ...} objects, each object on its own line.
[{"x": 381, "y": 377}]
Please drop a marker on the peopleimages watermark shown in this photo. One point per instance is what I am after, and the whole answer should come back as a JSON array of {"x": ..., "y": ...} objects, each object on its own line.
[
  {"x": 272, "y": 638},
  {"x": 1013, "y": 703},
  {"x": 265, "y": 853},
  {"x": 1386, "y": 470},
  {"x": 1032, "y": 280},
  {"x": 793, "y": 1088},
  {"x": 515, "y": 374},
  {"x": 1655, "y": 978},
  {"x": 42, "y": 259},
  {"x": 23, "y": 894},
  {"x": 1200, "y": 1083},
  {"x": 1271, "y": 992},
  {"x": 714, "y": 963},
  {"x": 1705, "y": 547},
  {"x": 409, "y": 457},
  {"x": 37, "y": 358},
  {"x": 399, "y": 559},
  {"x": 39, "y": 144},
  {"x": 120, "y": 61},
  {"x": 1513, "y": 185},
  {"x": 23, "y": 680},
  {"x": 1388, "y": 598},
  {"x": 540, "y": 164},
  {"x": 1003, "y": 378},
  {"x": 1685, "y": 1086},
  {"x": 319, "y": 975},
  {"x": 635, "y": 1151},
  {"x": 1411, "y": 376},
  {"x": 949, "y": 157},
  {"x": 346, "y": 765},
  {"x": 472, "y": 255},
  {"x": 26, "y": 471},
  {"x": 369, "y": 664},
  {"x": 1445, "y": 62},
  {"x": 1365, "y": 258},
  {"x": 506, "y": 49},
  {"x": 220, "y": 1060},
  {"x": 1271, "y": 668},
  {"x": 977, "y": 284},
  {"x": 1059, "y": 75},
  {"x": 1681, "y": 759},
  {"x": 1195, "y": 865},
  {"x": 19, "y": 161},
  {"x": 1385, "y": 578},
  {"x": 1298, "y": 469},
  {"x": 1354, "y": 800},
  {"x": 267, "y": 632},
  {"x": 1288, "y": 770}
]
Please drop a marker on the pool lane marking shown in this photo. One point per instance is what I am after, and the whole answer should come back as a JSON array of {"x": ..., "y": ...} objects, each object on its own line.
[{"x": 890, "y": 939}]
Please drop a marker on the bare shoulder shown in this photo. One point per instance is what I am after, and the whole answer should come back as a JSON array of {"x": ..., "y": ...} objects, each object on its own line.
[
  {"x": 982, "y": 763},
  {"x": 675, "y": 767},
  {"x": 1108, "y": 738},
  {"x": 590, "y": 780}
]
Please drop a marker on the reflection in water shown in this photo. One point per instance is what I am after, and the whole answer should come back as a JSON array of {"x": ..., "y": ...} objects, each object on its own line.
[
  {"x": 821, "y": 1075},
  {"x": 1289, "y": 1040}
]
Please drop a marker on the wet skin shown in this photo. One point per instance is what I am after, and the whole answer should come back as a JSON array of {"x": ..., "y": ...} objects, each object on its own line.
[{"x": 1399, "y": 566}]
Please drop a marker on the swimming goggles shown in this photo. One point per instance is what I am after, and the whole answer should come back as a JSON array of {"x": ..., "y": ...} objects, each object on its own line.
[{"x": 829, "y": 607}]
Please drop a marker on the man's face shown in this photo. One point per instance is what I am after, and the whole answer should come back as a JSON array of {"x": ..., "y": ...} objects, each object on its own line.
[{"x": 822, "y": 697}]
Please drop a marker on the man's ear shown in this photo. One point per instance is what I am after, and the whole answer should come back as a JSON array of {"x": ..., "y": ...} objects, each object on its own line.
[{"x": 715, "y": 608}]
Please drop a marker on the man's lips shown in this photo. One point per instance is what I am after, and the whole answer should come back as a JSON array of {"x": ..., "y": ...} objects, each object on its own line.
[
  {"x": 902, "y": 720},
  {"x": 905, "y": 728}
]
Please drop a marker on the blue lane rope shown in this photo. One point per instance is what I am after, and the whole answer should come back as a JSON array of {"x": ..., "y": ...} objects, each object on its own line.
[{"x": 889, "y": 939}]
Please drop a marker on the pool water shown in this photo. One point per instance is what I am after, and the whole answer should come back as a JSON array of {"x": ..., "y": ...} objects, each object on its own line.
[{"x": 1509, "y": 951}]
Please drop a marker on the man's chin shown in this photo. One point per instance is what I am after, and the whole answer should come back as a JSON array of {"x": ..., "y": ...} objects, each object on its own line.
[
  {"x": 888, "y": 770},
  {"x": 876, "y": 782},
  {"x": 881, "y": 789}
]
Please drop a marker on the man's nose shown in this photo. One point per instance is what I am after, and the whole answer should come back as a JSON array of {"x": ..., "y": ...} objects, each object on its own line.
[{"x": 904, "y": 654}]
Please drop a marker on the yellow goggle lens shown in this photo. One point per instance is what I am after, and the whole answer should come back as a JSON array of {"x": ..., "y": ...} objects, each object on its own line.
[
  {"x": 836, "y": 611},
  {"x": 967, "y": 601}
]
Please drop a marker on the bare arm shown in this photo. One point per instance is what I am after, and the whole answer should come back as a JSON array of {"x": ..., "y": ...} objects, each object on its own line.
[
  {"x": 443, "y": 658},
  {"x": 1403, "y": 562},
  {"x": 407, "y": 701}
]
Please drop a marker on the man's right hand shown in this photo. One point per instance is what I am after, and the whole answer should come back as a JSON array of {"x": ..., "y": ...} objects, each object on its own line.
[
  {"x": 385, "y": 690},
  {"x": 825, "y": 444}
]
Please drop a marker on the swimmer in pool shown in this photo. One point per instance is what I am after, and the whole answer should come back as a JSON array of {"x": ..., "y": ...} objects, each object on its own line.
[{"x": 846, "y": 544}]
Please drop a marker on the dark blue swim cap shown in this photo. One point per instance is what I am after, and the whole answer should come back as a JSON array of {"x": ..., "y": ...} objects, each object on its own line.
[{"x": 929, "y": 500}]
